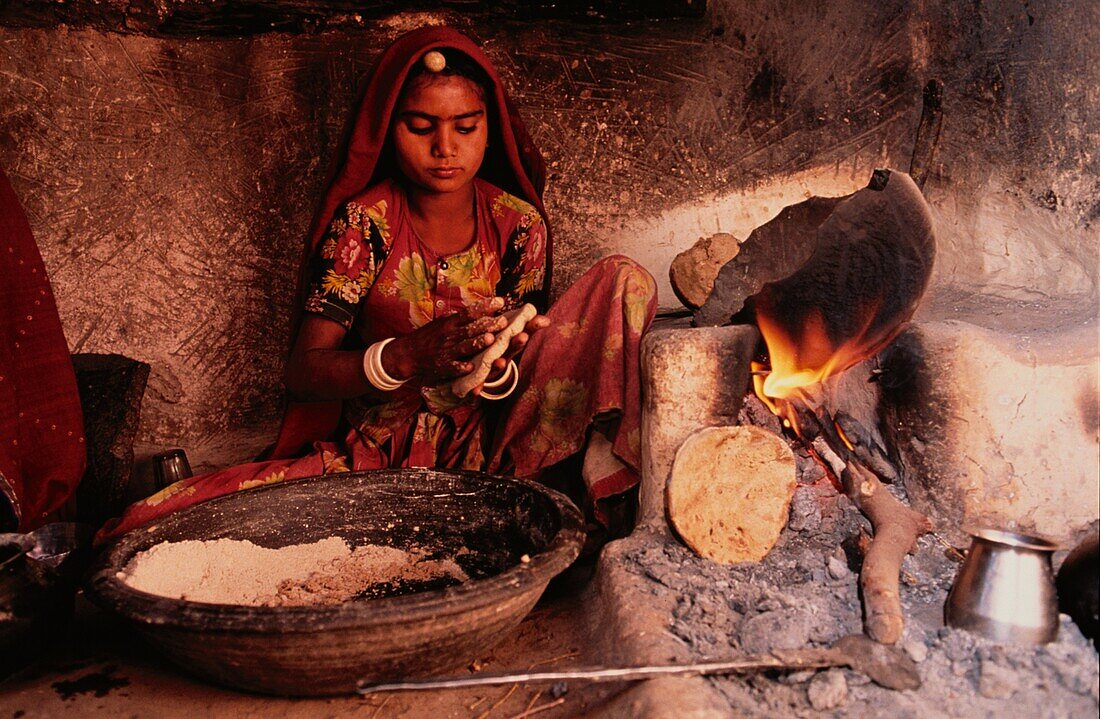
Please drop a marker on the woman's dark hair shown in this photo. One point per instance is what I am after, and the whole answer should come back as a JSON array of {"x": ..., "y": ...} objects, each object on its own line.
[{"x": 458, "y": 64}]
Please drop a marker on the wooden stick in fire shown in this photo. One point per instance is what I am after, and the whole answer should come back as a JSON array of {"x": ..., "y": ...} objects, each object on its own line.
[{"x": 896, "y": 529}]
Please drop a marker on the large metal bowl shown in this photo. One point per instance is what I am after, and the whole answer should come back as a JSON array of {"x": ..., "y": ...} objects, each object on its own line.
[{"x": 324, "y": 650}]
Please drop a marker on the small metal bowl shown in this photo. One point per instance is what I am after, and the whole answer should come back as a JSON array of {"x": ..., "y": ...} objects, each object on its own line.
[
  {"x": 1005, "y": 588},
  {"x": 510, "y": 536}
]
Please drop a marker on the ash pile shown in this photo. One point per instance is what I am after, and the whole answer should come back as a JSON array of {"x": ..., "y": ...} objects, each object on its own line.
[{"x": 805, "y": 593}]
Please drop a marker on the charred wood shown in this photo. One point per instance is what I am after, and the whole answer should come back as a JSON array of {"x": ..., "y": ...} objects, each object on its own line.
[
  {"x": 928, "y": 133},
  {"x": 896, "y": 529},
  {"x": 867, "y": 448}
]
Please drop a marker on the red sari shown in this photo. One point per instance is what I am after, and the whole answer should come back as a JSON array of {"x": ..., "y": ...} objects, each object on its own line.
[{"x": 368, "y": 271}]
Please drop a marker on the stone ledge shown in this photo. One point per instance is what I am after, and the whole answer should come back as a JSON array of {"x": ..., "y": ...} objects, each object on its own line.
[
  {"x": 692, "y": 378},
  {"x": 999, "y": 428},
  {"x": 634, "y": 630}
]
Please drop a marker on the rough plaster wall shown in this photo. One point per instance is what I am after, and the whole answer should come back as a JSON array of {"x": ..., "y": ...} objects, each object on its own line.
[
  {"x": 169, "y": 181},
  {"x": 661, "y": 134},
  {"x": 1017, "y": 184},
  {"x": 168, "y": 184}
]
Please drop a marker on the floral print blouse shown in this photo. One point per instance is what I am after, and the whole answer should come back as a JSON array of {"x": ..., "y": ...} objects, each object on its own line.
[{"x": 375, "y": 276}]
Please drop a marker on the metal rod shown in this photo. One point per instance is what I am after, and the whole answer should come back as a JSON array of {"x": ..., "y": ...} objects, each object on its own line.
[{"x": 814, "y": 660}]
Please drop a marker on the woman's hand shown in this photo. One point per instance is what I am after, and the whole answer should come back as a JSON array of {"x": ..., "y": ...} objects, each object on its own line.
[
  {"x": 441, "y": 349},
  {"x": 518, "y": 342}
]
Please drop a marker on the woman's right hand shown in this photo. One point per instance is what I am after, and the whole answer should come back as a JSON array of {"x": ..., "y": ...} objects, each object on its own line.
[{"x": 442, "y": 349}]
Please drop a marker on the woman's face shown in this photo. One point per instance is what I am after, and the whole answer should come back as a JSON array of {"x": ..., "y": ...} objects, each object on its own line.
[{"x": 440, "y": 132}]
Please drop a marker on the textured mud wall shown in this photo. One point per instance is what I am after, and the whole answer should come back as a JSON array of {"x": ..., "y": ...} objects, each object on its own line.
[
  {"x": 1017, "y": 188},
  {"x": 169, "y": 180}
]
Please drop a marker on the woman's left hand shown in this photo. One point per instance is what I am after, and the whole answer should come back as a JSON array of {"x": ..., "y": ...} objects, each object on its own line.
[{"x": 518, "y": 342}]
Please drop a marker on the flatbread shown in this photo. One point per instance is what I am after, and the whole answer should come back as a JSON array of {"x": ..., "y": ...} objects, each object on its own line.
[{"x": 730, "y": 492}]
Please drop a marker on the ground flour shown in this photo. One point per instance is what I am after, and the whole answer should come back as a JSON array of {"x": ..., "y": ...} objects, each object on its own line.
[{"x": 231, "y": 571}]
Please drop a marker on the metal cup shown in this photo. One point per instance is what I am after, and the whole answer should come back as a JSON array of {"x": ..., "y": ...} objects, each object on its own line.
[
  {"x": 170, "y": 467},
  {"x": 1005, "y": 589}
]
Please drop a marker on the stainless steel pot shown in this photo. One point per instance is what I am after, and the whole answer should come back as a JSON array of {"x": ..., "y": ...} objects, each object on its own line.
[{"x": 1005, "y": 589}]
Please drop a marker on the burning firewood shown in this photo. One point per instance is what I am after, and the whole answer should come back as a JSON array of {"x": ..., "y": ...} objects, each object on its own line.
[
  {"x": 867, "y": 448},
  {"x": 847, "y": 448},
  {"x": 870, "y": 266},
  {"x": 896, "y": 529},
  {"x": 896, "y": 526}
]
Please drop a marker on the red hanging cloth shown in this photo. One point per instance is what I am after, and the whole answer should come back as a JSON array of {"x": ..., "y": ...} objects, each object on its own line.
[{"x": 41, "y": 428}]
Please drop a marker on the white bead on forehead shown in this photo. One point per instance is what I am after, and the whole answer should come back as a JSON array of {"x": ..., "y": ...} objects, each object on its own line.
[{"x": 434, "y": 61}]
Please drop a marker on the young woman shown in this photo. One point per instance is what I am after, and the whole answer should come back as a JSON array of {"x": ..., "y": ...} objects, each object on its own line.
[{"x": 431, "y": 231}]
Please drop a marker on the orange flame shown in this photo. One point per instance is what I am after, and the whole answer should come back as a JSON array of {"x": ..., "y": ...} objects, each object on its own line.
[
  {"x": 800, "y": 363},
  {"x": 844, "y": 437}
]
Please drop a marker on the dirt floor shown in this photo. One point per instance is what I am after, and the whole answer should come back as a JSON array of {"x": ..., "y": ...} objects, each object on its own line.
[
  {"x": 107, "y": 671},
  {"x": 803, "y": 594},
  {"x": 652, "y": 600}
]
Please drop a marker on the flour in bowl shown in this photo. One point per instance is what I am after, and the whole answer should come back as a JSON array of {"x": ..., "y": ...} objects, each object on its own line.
[{"x": 329, "y": 571}]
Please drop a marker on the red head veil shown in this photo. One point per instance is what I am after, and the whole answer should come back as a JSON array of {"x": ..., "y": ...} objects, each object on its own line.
[{"x": 511, "y": 162}]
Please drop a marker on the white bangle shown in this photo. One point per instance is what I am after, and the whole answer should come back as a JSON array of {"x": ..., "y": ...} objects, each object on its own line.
[
  {"x": 504, "y": 376},
  {"x": 375, "y": 372},
  {"x": 513, "y": 372}
]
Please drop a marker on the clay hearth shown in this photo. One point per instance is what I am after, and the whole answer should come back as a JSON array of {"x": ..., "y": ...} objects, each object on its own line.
[
  {"x": 987, "y": 421},
  {"x": 806, "y": 591}
]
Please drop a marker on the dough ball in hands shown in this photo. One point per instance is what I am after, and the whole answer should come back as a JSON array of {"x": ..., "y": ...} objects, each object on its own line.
[
  {"x": 730, "y": 492},
  {"x": 483, "y": 362}
]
